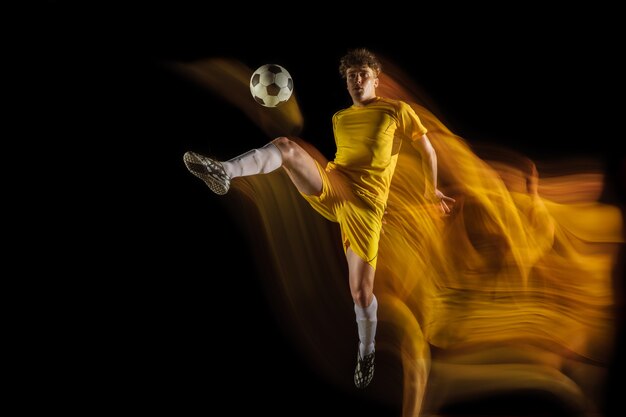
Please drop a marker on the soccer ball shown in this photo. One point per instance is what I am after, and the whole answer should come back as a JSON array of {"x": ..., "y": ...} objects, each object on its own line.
[{"x": 271, "y": 85}]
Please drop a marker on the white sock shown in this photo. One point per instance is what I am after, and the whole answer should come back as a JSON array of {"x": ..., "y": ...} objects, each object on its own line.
[
  {"x": 256, "y": 161},
  {"x": 366, "y": 323}
]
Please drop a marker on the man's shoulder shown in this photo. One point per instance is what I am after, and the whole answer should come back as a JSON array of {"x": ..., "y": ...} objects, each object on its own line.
[
  {"x": 394, "y": 102},
  {"x": 341, "y": 111},
  {"x": 391, "y": 103}
]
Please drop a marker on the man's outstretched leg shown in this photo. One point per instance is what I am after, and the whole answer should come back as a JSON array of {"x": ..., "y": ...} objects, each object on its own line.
[{"x": 217, "y": 174}]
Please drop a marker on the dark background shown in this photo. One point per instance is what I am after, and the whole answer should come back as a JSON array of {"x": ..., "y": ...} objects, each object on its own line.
[{"x": 180, "y": 319}]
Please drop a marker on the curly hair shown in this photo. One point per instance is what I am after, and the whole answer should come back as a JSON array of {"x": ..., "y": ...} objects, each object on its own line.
[{"x": 357, "y": 58}]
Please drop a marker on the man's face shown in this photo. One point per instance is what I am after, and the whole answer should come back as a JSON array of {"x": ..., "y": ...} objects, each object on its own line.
[{"x": 362, "y": 82}]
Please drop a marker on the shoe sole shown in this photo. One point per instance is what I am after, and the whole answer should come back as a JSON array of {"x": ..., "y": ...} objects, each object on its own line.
[{"x": 197, "y": 168}]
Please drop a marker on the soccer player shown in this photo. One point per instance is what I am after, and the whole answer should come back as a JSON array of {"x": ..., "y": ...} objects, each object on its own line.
[{"x": 352, "y": 189}]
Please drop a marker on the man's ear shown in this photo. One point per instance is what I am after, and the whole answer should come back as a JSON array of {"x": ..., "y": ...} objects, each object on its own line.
[{"x": 376, "y": 82}]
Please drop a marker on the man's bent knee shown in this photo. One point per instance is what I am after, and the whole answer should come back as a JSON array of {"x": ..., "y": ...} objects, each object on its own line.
[
  {"x": 284, "y": 144},
  {"x": 288, "y": 148}
]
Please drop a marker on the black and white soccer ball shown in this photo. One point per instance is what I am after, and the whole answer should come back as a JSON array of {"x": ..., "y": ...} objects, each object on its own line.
[{"x": 271, "y": 85}]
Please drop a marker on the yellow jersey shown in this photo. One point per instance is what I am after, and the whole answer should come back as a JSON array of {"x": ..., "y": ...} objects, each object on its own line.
[
  {"x": 355, "y": 185},
  {"x": 368, "y": 140}
]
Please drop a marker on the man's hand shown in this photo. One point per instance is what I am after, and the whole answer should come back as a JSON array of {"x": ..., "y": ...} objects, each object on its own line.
[{"x": 445, "y": 203}]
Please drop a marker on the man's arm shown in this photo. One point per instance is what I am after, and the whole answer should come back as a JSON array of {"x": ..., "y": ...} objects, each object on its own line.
[{"x": 429, "y": 164}]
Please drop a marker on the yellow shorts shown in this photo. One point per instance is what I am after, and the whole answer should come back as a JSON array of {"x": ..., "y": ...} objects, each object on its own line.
[{"x": 359, "y": 216}]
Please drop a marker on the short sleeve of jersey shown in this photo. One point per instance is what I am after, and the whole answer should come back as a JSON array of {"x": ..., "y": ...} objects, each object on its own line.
[{"x": 410, "y": 124}]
